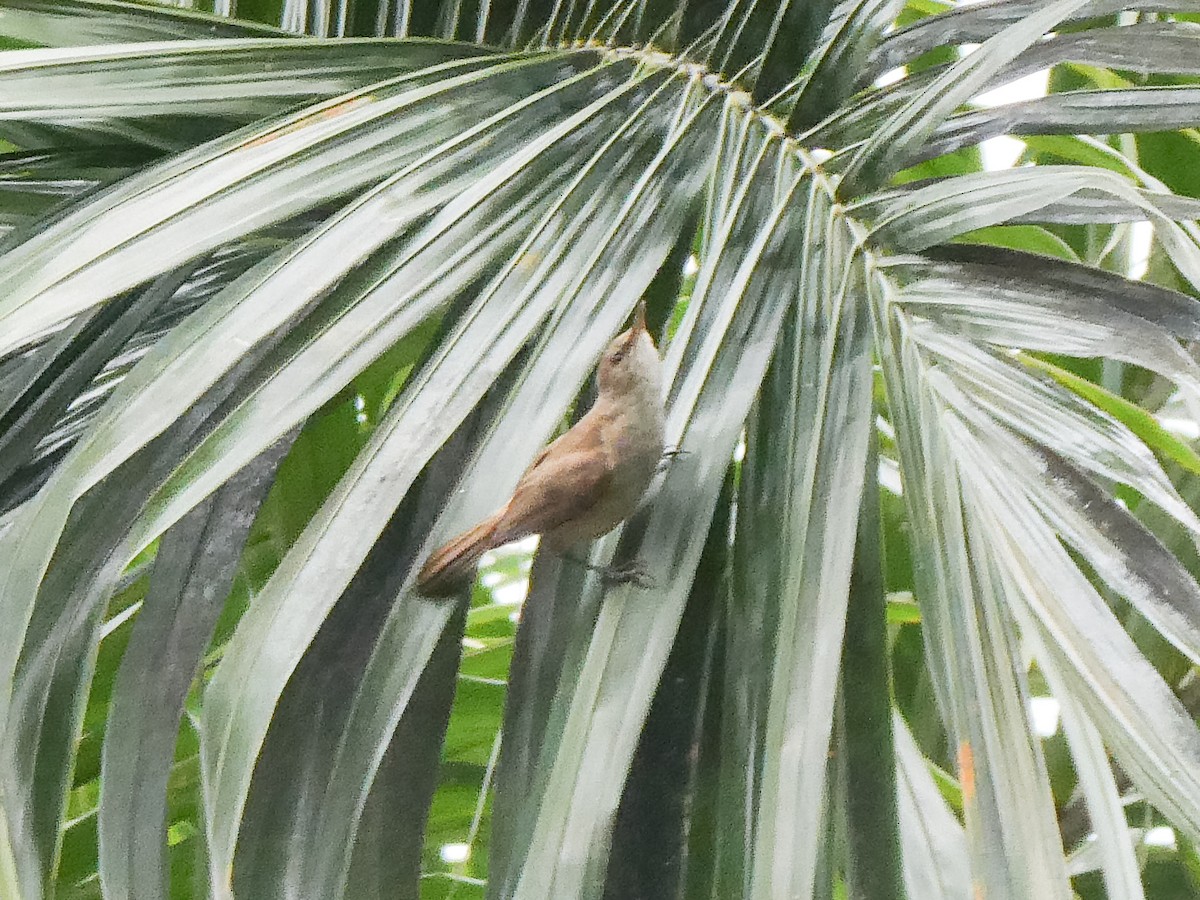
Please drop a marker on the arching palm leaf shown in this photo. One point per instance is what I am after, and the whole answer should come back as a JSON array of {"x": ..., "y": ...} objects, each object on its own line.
[{"x": 218, "y": 238}]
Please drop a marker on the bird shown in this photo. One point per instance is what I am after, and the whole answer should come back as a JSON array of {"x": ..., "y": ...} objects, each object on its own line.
[{"x": 587, "y": 481}]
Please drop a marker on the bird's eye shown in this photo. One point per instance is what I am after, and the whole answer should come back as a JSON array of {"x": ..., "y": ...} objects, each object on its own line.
[{"x": 618, "y": 355}]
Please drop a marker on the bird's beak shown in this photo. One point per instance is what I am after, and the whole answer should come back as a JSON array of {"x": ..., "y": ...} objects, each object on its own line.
[{"x": 639, "y": 316}]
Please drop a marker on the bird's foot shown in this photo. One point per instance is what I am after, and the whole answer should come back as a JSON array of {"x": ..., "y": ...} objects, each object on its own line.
[
  {"x": 669, "y": 455},
  {"x": 631, "y": 572}
]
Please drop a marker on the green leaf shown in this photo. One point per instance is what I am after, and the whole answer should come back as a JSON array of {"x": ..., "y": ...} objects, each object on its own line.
[
  {"x": 63, "y": 23},
  {"x": 600, "y": 718},
  {"x": 873, "y": 864},
  {"x": 1128, "y": 110},
  {"x": 851, "y": 35},
  {"x": 420, "y": 420},
  {"x": 892, "y": 146},
  {"x": 970, "y": 654},
  {"x": 935, "y": 848},
  {"x": 1030, "y": 238},
  {"x": 1082, "y": 638},
  {"x": 215, "y": 236},
  {"x": 1136, "y": 419},
  {"x": 178, "y": 82},
  {"x": 1122, "y": 875},
  {"x": 193, "y": 571},
  {"x": 323, "y": 148}
]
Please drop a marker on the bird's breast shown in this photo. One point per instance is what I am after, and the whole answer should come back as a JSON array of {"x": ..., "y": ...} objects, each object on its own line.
[{"x": 634, "y": 442}]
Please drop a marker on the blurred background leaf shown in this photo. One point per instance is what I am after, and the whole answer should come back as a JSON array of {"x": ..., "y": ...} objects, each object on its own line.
[{"x": 292, "y": 290}]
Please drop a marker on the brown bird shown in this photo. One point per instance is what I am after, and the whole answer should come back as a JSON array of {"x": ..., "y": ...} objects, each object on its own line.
[{"x": 584, "y": 483}]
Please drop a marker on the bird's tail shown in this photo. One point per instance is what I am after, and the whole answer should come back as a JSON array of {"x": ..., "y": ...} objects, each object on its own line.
[{"x": 451, "y": 567}]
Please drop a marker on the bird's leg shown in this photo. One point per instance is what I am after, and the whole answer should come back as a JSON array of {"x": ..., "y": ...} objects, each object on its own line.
[{"x": 630, "y": 572}]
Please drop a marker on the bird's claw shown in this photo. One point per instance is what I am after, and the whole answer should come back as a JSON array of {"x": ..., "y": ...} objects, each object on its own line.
[
  {"x": 669, "y": 455},
  {"x": 632, "y": 572}
]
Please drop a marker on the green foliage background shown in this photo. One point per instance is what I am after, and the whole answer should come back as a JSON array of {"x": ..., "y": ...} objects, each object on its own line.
[{"x": 278, "y": 313}]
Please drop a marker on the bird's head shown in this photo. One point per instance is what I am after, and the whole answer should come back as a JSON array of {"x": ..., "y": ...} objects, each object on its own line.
[{"x": 630, "y": 359}]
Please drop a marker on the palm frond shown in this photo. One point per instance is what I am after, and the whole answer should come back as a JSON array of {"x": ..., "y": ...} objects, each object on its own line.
[{"x": 227, "y": 249}]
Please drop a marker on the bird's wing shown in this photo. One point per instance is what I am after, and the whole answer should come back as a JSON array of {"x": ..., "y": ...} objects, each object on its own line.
[
  {"x": 564, "y": 482},
  {"x": 585, "y": 436}
]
